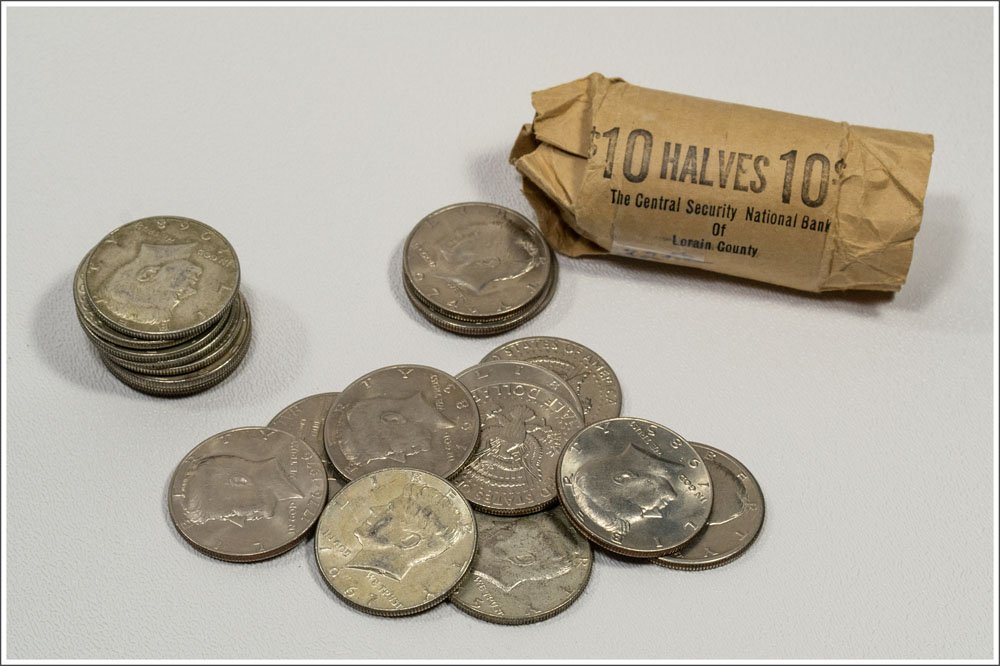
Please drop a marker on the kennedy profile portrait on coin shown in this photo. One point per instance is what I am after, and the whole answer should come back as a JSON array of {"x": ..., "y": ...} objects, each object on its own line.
[
  {"x": 148, "y": 288},
  {"x": 395, "y": 541},
  {"x": 403, "y": 533},
  {"x": 624, "y": 488},
  {"x": 247, "y": 494},
  {"x": 634, "y": 486},
  {"x": 392, "y": 428},
  {"x": 484, "y": 257},
  {"x": 234, "y": 489}
]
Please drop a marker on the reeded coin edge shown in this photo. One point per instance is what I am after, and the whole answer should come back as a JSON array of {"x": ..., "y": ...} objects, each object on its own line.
[
  {"x": 679, "y": 565},
  {"x": 510, "y": 513},
  {"x": 215, "y": 348},
  {"x": 175, "y": 389},
  {"x": 470, "y": 329},
  {"x": 484, "y": 320}
]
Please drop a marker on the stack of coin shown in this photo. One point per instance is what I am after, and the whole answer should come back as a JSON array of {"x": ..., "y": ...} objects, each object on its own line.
[
  {"x": 159, "y": 299},
  {"x": 478, "y": 269},
  {"x": 488, "y": 488}
]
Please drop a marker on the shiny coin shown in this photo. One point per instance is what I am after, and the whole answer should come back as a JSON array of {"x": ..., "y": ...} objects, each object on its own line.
[
  {"x": 477, "y": 259},
  {"x": 500, "y": 372},
  {"x": 584, "y": 370},
  {"x": 402, "y": 416},
  {"x": 522, "y": 432},
  {"x": 736, "y": 518},
  {"x": 488, "y": 326},
  {"x": 634, "y": 487},
  {"x": 526, "y": 569},
  {"x": 247, "y": 494},
  {"x": 305, "y": 419},
  {"x": 395, "y": 541},
  {"x": 162, "y": 278}
]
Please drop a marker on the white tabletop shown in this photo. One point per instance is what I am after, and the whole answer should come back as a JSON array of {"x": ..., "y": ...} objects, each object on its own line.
[{"x": 314, "y": 138}]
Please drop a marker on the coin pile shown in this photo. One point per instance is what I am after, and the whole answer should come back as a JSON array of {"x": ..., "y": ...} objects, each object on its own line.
[
  {"x": 159, "y": 299},
  {"x": 478, "y": 269},
  {"x": 487, "y": 488}
]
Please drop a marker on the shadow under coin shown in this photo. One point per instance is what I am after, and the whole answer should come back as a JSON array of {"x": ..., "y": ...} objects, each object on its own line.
[
  {"x": 278, "y": 349},
  {"x": 64, "y": 346}
]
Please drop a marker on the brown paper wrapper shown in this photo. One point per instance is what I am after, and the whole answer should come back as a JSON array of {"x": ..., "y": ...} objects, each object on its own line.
[{"x": 811, "y": 204}]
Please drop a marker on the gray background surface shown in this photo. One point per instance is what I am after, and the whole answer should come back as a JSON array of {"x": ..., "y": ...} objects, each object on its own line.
[{"x": 315, "y": 138}]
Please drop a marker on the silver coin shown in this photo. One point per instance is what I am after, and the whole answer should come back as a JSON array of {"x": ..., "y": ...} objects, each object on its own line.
[
  {"x": 499, "y": 372},
  {"x": 477, "y": 259},
  {"x": 95, "y": 328},
  {"x": 483, "y": 319},
  {"x": 194, "y": 382},
  {"x": 395, "y": 541},
  {"x": 634, "y": 487},
  {"x": 162, "y": 277},
  {"x": 184, "y": 352},
  {"x": 584, "y": 370},
  {"x": 247, "y": 494},
  {"x": 736, "y": 518},
  {"x": 213, "y": 349},
  {"x": 524, "y": 429},
  {"x": 485, "y": 327},
  {"x": 526, "y": 569},
  {"x": 402, "y": 416},
  {"x": 305, "y": 419}
]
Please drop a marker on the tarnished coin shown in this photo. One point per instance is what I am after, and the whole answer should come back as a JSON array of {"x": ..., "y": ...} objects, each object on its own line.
[
  {"x": 184, "y": 352},
  {"x": 305, "y": 419},
  {"x": 192, "y": 382},
  {"x": 402, "y": 416},
  {"x": 213, "y": 349},
  {"x": 524, "y": 429},
  {"x": 583, "y": 369},
  {"x": 95, "y": 328},
  {"x": 395, "y": 541},
  {"x": 635, "y": 487},
  {"x": 499, "y": 372},
  {"x": 485, "y": 326},
  {"x": 247, "y": 494},
  {"x": 736, "y": 518},
  {"x": 526, "y": 569},
  {"x": 477, "y": 259},
  {"x": 162, "y": 277}
]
